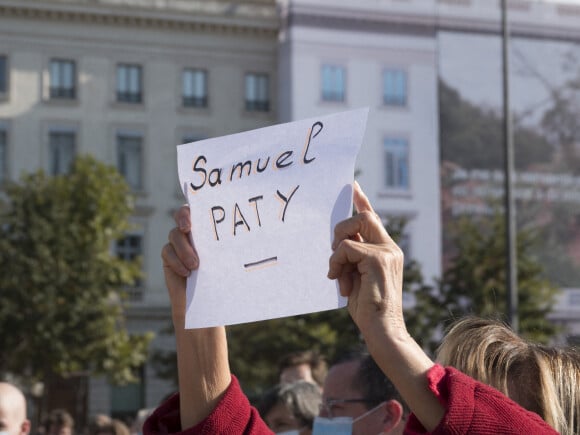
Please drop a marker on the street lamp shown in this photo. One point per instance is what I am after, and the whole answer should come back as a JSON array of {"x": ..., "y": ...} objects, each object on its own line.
[{"x": 509, "y": 171}]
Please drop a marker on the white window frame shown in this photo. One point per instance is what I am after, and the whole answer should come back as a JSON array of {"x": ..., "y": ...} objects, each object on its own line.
[
  {"x": 395, "y": 93},
  {"x": 194, "y": 88},
  {"x": 392, "y": 146},
  {"x": 333, "y": 83},
  {"x": 135, "y": 292},
  {"x": 257, "y": 92},
  {"x": 62, "y": 79},
  {"x": 60, "y": 155},
  {"x": 135, "y": 181},
  {"x": 129, "y": 83}
]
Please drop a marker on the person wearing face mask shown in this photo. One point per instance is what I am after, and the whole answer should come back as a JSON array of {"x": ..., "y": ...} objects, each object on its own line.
[
  {"x": 13, "y": 419},
  {"x": 290, "y": 408},
  {"x": 359, "y": 399},
  {"x": 368, "y": 267}
]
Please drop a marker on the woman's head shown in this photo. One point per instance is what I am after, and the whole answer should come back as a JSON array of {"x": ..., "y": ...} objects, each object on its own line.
[
  {"x": 562, "y": 384},
  {"x": 291, "y": 406},
  {"x": 542, "y": 379},
  {"x": 489, "y": 351}
]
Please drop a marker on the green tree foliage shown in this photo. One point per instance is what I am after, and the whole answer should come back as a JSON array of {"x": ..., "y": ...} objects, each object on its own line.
[
  {"x": 472, "y": 137},
  {"x": 474, "y": 283},
  {"x": 562, "y": 124},
  {"x": 61, "y": 286}
]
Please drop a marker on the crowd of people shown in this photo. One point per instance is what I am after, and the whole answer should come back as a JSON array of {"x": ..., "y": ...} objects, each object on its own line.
[
  {"x": 14, "y": 419},
  {"x": 485, "y": 378}
]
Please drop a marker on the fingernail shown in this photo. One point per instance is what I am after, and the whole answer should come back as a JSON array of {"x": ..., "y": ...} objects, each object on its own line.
[{"x": 183, "y": 224}]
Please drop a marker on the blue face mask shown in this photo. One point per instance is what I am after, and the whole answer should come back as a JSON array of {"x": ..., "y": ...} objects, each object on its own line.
[
  {"x": 332, "y": 426},
  {"x": 338, "y": 425}
]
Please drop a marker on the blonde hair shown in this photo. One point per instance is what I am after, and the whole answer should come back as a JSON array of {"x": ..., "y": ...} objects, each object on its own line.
[
  {"x": 563, "y": 367},
  {"x": 542, "y": 379}
]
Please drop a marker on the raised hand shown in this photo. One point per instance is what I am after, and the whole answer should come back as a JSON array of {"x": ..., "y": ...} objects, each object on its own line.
[
  {"x": 179, "y": 259},
  {"x": 368, "y": 265}
]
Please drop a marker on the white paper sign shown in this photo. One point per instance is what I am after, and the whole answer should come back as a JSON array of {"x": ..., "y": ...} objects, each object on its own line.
[{"x": 264, "y": 204}]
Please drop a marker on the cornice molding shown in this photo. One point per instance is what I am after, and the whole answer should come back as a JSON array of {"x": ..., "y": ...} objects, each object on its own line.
[
  {"x": 424, "y": 24},
  {"x": 375, "y": 24},
  {"x": 265, "y": 25}
]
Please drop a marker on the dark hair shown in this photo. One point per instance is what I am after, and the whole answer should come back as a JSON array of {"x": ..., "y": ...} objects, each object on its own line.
[
  {"x": 315, "y": 361},
  {"x": 59, "y": 417},
  {"x": 370, "y": 380},
  {"x": 301, "y": 398}
]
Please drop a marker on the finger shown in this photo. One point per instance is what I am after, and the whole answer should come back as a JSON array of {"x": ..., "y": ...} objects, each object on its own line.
[
  {"x": 183, "y": 219},
  {"x": 183, "y": 248},
  {"x": 364, "y": 226},
  {"x": 345, "y": 258},
  {"x": 346, "y": 279},
  {"x": 361, "y": 201},
  {"x": 172, "y": 262}
]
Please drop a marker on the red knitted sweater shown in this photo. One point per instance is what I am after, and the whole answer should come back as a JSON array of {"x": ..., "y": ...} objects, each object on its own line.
[{"x": 472, "y": 408}]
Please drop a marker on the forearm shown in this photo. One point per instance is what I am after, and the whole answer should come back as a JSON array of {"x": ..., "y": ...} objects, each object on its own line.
[
  {"x": 203, "y": 371},
  {"x": 406, "y": 365}
]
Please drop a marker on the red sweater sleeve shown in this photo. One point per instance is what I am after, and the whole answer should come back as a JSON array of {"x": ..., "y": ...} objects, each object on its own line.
[
  {"x": 233, "y": 415},
  {"x": 475, "y": 408}
]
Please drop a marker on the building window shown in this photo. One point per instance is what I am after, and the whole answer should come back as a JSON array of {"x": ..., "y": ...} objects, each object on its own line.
[
  {"x": 130, "y": 159},
  {"x": 257, "y": 92},
  {"x": 3, "y": 155},
  {"x": 129, "y": 83},
  {"x": 396, "y": 163},
  {"x": 333, "y": 83},
  {"x": 3, "y": 75},
  {"x": 130, "y": 248},
  {"x": 62, "y": 151},
  {"x": 395, "y": 87},
  {"x": 194, "y": 88},
  {"x": 62, "y": 79},
  {"x": 574, "y": 299}
]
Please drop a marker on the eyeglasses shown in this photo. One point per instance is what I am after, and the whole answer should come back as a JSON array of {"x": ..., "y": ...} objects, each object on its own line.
[{"x": 330, "y": 404}]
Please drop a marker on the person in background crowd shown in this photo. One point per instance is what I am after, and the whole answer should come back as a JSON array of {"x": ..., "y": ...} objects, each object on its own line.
[
  {"x": 59, "y": 422},
  {"x": 137, "y": 426},
  {"x": 357, "y": 389},
  {"x": 290, "y": 408},
  {"x": 542, "y": 379},
  {"x": 307, "y": 365},
  {"x": 13, "y": 419},
  {"x": 113, "y": 427}
]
